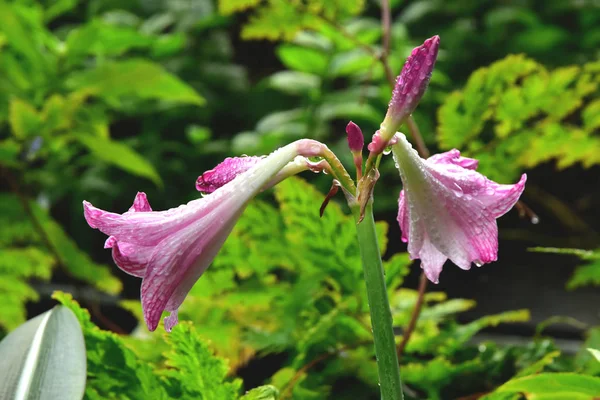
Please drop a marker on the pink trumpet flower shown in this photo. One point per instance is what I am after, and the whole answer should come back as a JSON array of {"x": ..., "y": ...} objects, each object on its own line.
[
  {"x": 171, "y": 249},
  {"x": 447, "y": 210}
]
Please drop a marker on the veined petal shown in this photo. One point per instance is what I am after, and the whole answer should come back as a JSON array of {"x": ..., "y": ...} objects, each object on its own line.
[
  {"x": 171, "y": 274},
  {"x": 224, "y": 173},
  {"x": 432, "y": 261},
  {"x": 140, "y": 203},
  {"x": 453, "y": 157},
  {"x": 450, "y": 209},
  {"x": 130, "y": 258},
  {"x": 171, "y": 249}
]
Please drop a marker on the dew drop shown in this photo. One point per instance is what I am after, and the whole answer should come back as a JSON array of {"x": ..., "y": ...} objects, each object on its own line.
[
  {"x": 458, "y": 191},
  {"x": 478, "y": 263},
  {"x": 535, "y": 220},
  {"x": 387, "y": 150}
]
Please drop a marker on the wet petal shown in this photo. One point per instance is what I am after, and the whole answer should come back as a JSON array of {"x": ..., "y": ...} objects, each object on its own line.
[
  {"x": 448, "y": 209},
  {"x": 224, "y": 173},
  {"x": 130, "y": 258},
  {"x": 171, "y": 249},
  {"x": 432, "y": 261}
]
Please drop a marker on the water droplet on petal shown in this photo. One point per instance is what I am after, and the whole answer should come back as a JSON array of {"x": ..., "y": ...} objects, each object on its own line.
[
  {"x": 478, "y": 263},
  {"x": 458, "y": 191}
]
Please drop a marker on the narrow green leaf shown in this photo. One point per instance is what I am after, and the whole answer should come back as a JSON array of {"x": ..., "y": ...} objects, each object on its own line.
[
  {"x": 58, "y": 8},
  {"x": 303, "y": 59},
  {"x": 18, "y": 35},
  {"x": 120, "y": 155},
  {"x": 102, "y": 39},
  {"x": 44, "y": 358},
  {"x": 294, "y": 82},
  {"x": 134, "y": 78},
  {"x": 354, "y": 62},
  {"x": 554, "y": 386}
]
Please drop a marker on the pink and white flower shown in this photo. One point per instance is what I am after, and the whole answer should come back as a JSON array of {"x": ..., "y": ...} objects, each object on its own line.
[
  {"x": 171, "y": 249},
  {"x": 447, "y": 210}
]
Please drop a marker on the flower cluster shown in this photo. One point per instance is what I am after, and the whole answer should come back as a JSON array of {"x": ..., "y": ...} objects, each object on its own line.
[{"x": 446, "y": 210}]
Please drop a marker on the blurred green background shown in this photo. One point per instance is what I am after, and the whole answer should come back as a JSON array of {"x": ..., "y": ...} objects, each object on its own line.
[{"x": 102, "y": 98}]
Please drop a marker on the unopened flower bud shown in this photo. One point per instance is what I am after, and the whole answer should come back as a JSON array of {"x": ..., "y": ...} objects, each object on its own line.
[
  {"x": 356, "y": 141},
  {"x": 410, "y": 87}
]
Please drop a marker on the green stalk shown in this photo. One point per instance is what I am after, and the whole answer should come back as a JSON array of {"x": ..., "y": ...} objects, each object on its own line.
[{"x": 381, "y": 316}]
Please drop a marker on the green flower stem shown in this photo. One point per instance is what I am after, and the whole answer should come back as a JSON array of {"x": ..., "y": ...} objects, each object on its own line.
[
  {"x": 338, "y": 170},
  {"x": 381, "y": 316}
]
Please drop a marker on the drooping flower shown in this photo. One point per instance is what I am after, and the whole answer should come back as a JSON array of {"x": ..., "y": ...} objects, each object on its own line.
[
  {"x": 447, "y": 210},
  {"x": 410, "y": 87},
  {"x": 171, "y": 249}
]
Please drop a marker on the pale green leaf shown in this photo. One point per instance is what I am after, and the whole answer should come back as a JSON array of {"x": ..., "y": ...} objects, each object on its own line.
[
  {"x": 556, "y": 386},
  {"x": 44, "y": 358},
  {"x": 303, "y": 59},
  {"x": 294, "y": 82},
  {"x": 101, "y": 39},
  {"x": 120, "y": 155},
  {"x": 24, "y": 120},
  {"x": 135, "y": 78}
]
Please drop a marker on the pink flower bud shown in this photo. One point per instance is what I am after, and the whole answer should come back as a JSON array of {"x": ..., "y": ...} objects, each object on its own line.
[
  {"x": 410, "y": 87},
  {"x": 412, "y": 81},
  {"x": 356, "y": 141}
]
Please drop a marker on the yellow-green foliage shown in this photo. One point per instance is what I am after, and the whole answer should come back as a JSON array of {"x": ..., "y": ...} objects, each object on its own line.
[
  {"x": 517, "y": 114},
  {"x": 24, "y": 256},
  {"x": 187, "y": 370},
  {"x": 282, "y": 19}
]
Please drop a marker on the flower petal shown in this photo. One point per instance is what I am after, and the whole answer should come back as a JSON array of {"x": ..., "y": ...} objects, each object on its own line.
[
  {"x": 171, "y": 249},
  {"x": 403, "y": 217},
  {"x": 453, "y": 157},
  {"x": 180, "y": 260},
  {"x": 130, "y": 258},
  {"x": 448, "y": 209},
  {"x": 224, "y": 173},
  {"x": 143, "y": 228},
  {"x": 432, "y": 261},
  {"x": 140, "y": 203}
]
